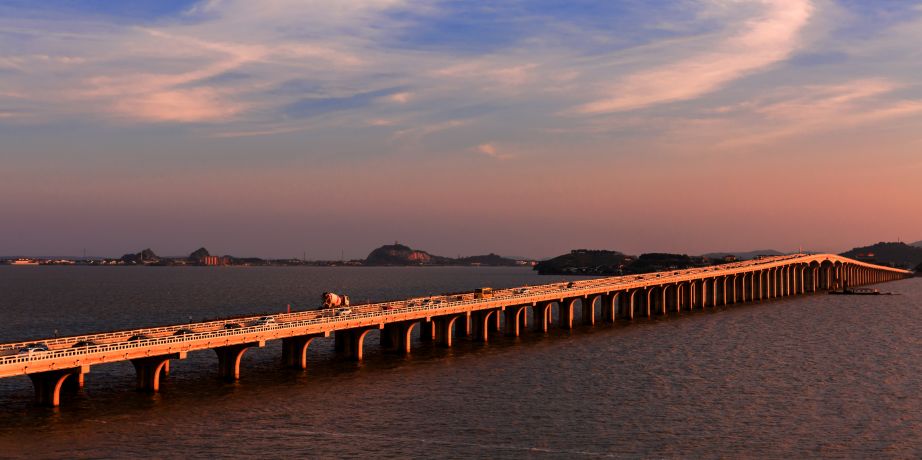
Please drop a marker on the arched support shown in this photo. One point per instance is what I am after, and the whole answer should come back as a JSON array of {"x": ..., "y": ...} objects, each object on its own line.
[
  {"x": 294, "y": 350},
  {"x": 351, "y": 342},
  {"x": 541, "y": 315},
  {"x": 397, "y": 337},
  {"x": 48, "y": 384},
  {"x": 610, "y": 307},
  {"x": 515, "y": 320},
  {"x": 444, "y": 329},
  {"x": 565, "y": 312},
  {"x": 630, "y": 304},
  {"x": 151, "y": 368},
  {"x": 588, "y": 310},
  {"x": 229, "y": 359},
  {"x": 481, "y": 323},
  {"x": 427, "y": 331}
]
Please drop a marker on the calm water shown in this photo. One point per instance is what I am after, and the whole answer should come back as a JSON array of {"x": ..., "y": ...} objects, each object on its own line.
[{"x": 829, "y": 376}]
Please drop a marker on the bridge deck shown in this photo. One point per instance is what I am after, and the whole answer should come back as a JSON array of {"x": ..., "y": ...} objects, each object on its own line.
[{"x": 114, "y": 346}]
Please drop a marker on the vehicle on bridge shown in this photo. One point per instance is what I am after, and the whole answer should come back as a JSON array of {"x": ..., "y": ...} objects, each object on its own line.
[
  {"x": 483, "y": 293},
  {"x": 331, "y": 300},
  {"x": 265, "y": 321},
  {"x": 33, "y": 347}
]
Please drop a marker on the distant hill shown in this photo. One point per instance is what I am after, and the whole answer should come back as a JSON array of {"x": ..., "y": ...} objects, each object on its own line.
[
  {"x": 584, "y": 262},
  {"x": 603, "y": 262},
  {"x": 917, "y": 244},
  {"x": 400, "y": 255},
  {"x": 894, "y": 254},
  {"x": 146, "y": 256},
  {"x": 491, "y": 259},
  {"x": 655, "y": 262},
  {"x": 743, "y": 255}
]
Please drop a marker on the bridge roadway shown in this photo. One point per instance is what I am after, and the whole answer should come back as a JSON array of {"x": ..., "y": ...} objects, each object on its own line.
[{"x": 439, "y": 318}]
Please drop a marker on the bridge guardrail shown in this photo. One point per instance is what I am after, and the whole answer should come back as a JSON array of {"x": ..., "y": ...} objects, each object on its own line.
[{"x": 316, "y": 317}]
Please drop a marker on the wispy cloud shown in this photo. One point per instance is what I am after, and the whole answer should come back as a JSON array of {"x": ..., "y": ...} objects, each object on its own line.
[
  {"x": 492, "y": 151},
  {"x": 763, "y": 41}
]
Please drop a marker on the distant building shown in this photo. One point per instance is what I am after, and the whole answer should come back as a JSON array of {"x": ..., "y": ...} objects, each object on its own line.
[{"x": 215, "y": 261}]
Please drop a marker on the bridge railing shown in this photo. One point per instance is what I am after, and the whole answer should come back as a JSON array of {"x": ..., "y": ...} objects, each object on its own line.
[
  {"x": 317, "y": 317},
  {"x": 400, "y": 304},
  {"x": 301, "y": 319}
]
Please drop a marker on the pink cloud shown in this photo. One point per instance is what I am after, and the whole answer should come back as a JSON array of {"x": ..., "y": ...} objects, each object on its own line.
[{"x": 763, "y": 42}]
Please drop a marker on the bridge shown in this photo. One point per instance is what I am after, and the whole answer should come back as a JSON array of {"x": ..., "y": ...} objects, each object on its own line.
[{"x": 439, "y": 319}]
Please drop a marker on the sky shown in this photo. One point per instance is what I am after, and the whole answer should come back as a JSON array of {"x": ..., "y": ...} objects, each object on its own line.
[{"x": 281, "y": 128}]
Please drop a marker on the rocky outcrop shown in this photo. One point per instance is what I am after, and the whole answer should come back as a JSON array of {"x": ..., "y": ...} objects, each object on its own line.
[
  {"x": 199, "y": 254},
  {"x": 398, "y": 254},
  {"x": 146, "y": 256}
]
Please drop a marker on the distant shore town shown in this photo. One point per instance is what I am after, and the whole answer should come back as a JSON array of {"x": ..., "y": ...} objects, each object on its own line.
[{"x": 587, "y": 262}]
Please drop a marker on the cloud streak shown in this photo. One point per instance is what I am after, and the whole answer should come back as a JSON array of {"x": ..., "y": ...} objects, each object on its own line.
[{"x": 764, "y": 41}]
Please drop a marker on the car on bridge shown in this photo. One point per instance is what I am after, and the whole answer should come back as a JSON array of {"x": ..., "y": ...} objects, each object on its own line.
[
  {"x": 137, "y": 337},
  {"x": 232, "y": 326},
  {"x": 184, "y": 331},
  {"x": 265, "y": 321},
  {"x": 33, "y": 348},
  {"x": 83, "y": 343}
]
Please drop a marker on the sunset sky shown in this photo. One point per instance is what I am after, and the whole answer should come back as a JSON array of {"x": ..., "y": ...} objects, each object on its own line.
[{"x": 528, "y": 128}]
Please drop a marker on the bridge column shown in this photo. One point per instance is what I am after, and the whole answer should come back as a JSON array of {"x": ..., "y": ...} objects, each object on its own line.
[
  {"x": 649, "y": 299},
  {"x": 541, "y": 314},
  {"x": 150, "y": 369},
  {"x": 662, "y": 308},
  {"x": 463, "y": 326},
  {"x": 48, "y": 384},
  {"x": 482, "y": 321},
  {"x": 565, "y": 312},
  {"x": 709, "y": 296},
  {"x": 352, "y": 341},
  {"x": 630, "y": 303},
  {"x": 397, "y": 337},
  {"x": 426, "y": 330},
  {"x": 515, "y": 320},
  {"x": 294, "y": 350},
  {"x": 588, "y": 310},
  {"x": 444, "y": 329},
  {"x": 229, "y": 359},
  {"x": 609, "y": 305}
]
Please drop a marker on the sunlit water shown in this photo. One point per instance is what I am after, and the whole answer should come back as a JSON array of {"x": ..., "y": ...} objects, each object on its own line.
[{"x": 833, "y": 376}]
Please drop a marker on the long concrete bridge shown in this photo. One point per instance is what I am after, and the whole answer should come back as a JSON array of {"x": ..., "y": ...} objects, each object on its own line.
[{"x": 439, "y": 319}]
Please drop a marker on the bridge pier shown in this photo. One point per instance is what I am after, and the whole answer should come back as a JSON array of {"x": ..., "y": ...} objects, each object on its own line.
[
  {"x": 565, "y": 312},
  {"x": 397, "y": 337},
  {"x": 150, "y": 369},
  {"x": 294, "y": 350},
  {"x": 229, "y": 357},
  {"x": 588, "y": 310},
  {"x": 482, "y": 322},
  {"x": 48, "y": 384},
  {"x": 541, "y": 316},
  {"x": 610, "y": 310},
  {"x": 515, "y": 320},
  {"x": 444, "y": 328},
  {"x": 427, "y": 331},
  {"x": 350, "y": 342}
]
